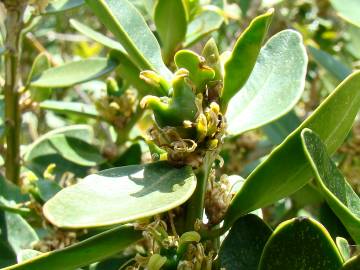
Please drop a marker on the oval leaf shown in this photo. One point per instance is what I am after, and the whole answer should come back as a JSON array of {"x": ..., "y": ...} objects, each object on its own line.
[
  {"x": 62, "y": 5},
  {"x": 130, "y": 28},
  {"x": 121, "y": 195},
  {"x": 76, "y": 150},
  {"x": 298, "y": 244},
  {"x": 74, "y": 73},
  {"x": 338, "y": 193},
  {"x": 248, "y": 45},
  {"x": 336, "y": 68},
  {"x": 98, "y": 37},
  {"x": 274, "y": 86},
  {"x": 244, "y": 244},
  {"x": 204, "y": 23},
  {"x": 42, "y": 146},
  {"x": 172, "y": 32},
  {"x": 91, "y": 250},
  {"x": 65, "y": 107},
  {"x": 349, "y": 10},
  {"x": 284, "y": 172}
]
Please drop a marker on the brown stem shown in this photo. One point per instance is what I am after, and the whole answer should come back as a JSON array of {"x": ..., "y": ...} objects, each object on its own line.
[{"x": 14, "y": 24}]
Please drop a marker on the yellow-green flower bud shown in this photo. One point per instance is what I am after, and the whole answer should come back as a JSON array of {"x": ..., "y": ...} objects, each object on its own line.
[
  {"x": 199, "y": 72},
  {"x": 180, "y": 107}
]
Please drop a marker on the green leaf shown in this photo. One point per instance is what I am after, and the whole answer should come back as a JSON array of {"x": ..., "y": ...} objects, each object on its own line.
[
  {"x": 274, "y": 86},
  {"x": 348, "y": 10},
  {"x": 286, "y": 169},
  {"x": 40, "y": 64},
  {"x": 331, "y": 64},
  {"x": 343, "y": 247},
  {"x": 338, "y": 193},
  {"x": 130, "y": 28},
  {"x": 244, "y": 244},
  {"x": 298, "y": 244},
  {"x": 131, "y": 73},
  {"x": 74, "y": 73},
  {"x": 278, "y": 130},
  {"x": 62, "y": 5},
  {"x": 47, "y": 189},
  {"x": 121, "y": 195},
  {"x": 172, "y": 32},
  {"x": 204, "y": 23},
  {"x": 248, "y": 45},
  {"x": 15, "y": 234},
  {"x": 76, "y": 150},
  {"x": 66, "y": 107},
  {"x": 98, "y": 37},
  {"x": 91, "y": 250},
  {"x": 42, "y": 146},
  {"x": 352, "y": 264}
]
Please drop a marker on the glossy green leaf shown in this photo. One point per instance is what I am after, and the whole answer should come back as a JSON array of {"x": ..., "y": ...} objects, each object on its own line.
[
  {"x": 62, "y": 5},
  {"x": 40, "y": 64},
  {"x": 130, "y": 28},
  {"x": 74, "y": 73},
  {"x": 121, "y": 195},
  {"x": 274, "y": 86},
  {"x": 299, "y": 244},
  {"x": 338, "y": 193},
  {"x": 349, "y": 10},
  {"x": 66, "y": 107},
  {"x": 172, "y": 32},
  {"x": 43, "y": 147},
  {"x": 284, "y": 172},
  {"x": 91, "y": 250},
  {"x": 76, "y": 150},
  {"x": 343, "y": 247},
  {"x": 98, "y": 37},
  {"x": 248, "y": 45},
  {"x": 244, "y": 244},
  {"x": 352, "y": 264},
  {"x": 336, "y": 68},
  {"x": 204, "y": 23}
]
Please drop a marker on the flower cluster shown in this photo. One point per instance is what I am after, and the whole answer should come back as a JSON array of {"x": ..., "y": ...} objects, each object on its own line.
[{"x": 189, "y": 121}]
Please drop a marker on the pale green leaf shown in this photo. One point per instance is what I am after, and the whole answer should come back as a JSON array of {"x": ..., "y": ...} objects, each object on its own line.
[
  {"x": 121, "y": 195},
  {"x": 131, "y": 30},
  {"x": 56, "y": 6},
  {"x": 274, "y": 86},
  {"x": 73, "y": 73},
  {"x": 66, "y": 107},
  {"x": 98, "y": 37},
  {"x": 349, "y": 10}
]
